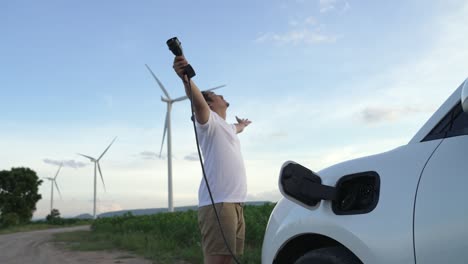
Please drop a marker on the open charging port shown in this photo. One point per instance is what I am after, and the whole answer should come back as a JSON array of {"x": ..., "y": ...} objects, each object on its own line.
[{"x": 357, "y": 193}]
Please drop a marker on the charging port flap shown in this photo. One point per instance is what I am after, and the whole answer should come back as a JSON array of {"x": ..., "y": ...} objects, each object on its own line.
[{"x": 303, "y": 186}]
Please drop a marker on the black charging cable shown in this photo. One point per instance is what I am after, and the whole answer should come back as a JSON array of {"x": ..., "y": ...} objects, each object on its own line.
[{"x": 176, "y": 48}]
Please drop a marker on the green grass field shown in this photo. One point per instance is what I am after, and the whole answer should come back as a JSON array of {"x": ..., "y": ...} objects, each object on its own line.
[{"x": 165, "y": 237}]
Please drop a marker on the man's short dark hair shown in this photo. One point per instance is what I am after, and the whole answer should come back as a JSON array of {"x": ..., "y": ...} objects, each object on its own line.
[{"x": 206, "y": 95}]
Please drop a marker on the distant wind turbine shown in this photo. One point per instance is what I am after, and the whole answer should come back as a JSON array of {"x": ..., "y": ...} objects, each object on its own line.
[
  {"x": 53, "y": 181},
  {"x": 97, "y": 167},
  {"x": 167, "y": 128}
]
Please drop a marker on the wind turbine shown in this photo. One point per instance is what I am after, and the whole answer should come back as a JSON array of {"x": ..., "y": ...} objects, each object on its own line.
[
  {"x": 53, "y": 181},
  {"x": 97, "y": 167},
  {"x": 167, "y": 129}
]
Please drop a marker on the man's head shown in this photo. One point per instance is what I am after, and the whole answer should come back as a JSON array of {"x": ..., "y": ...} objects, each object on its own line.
[{"x": 215, "y": 102}]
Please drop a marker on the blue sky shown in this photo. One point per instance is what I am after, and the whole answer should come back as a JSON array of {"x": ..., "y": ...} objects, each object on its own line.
[{"x": 322, "y": 80}]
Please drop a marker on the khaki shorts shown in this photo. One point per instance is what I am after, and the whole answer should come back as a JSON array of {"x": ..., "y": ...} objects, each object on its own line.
[{"x": 231, "y": 216}]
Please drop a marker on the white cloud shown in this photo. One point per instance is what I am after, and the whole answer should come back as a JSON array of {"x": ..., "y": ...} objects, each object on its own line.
[
  {"x": 380, "y": 114},
  {"x": 192, "y": 157},
  {"x": 278, "y": 135},
  {"x": 326, "y": 5},
  {"x": 334, "y": 5},
  {"x": 107, "y": 206},
  {"x": 297, "y": 37},
  {"x": 149, "y": 155},
  {"x": 306, "y": 30},
  {"x": 293, "y": 23},
  {"x": 66, "y": 163},
  {"x": 310, "y": 21}
]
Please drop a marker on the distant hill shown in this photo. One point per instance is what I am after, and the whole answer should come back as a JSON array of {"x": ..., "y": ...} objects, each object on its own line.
[
  {"x": 151, "y": 211},
  {"x": 84, "y": 216}
]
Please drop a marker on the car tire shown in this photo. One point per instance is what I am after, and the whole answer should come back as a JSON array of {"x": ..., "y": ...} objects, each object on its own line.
[{"x": 329, "y": 255}]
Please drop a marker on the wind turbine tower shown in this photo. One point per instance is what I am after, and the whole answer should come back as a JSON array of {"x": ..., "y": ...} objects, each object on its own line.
[
  {"x": 167, "y": 129},
  {"x": 53, "y": 181},
  {"x": 97, "y": 167}
]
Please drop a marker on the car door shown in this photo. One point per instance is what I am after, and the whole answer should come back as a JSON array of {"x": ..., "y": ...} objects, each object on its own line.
[{"x": 441, "y": 209}]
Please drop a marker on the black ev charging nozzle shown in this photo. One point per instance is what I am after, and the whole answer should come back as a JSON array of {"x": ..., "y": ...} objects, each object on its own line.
[{"x": 176, "y": 47}]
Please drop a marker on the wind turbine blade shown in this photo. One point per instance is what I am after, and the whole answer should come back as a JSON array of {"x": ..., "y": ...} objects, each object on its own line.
[
  {"x": 58, "y": 189},
  {"x": 157, "y": 80},
  {"x": 214, "y": 88},
  {"x": 61, "y": 164},
  {"x": 91, "y": 158},
  {"x": 107, "y": 148},
  {"x": 164, "y": 133},
  {"x": 102, "y": 178},
  {"x": 180, "y": 98},
  {"x": 185, "y": 97}
]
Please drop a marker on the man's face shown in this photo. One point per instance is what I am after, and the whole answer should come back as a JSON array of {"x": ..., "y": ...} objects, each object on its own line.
[{"x": 217, "y": 101}]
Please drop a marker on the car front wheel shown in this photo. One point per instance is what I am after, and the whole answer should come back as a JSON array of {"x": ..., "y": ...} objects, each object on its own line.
[{"x": 329, "y": 255}]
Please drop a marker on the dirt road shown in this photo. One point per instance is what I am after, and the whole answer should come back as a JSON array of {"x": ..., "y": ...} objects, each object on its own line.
[{"x": 35, "y": 248}]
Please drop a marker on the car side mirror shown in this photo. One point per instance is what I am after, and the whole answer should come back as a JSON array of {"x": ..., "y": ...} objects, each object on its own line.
[{"x": 464, "y": 96}]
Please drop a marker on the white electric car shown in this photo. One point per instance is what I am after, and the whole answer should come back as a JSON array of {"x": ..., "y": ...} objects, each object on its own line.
[{"x": 407, "y": 205}]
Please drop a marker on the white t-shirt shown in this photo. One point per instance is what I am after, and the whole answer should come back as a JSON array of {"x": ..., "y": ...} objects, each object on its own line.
[{"x": 224, "y": 165}]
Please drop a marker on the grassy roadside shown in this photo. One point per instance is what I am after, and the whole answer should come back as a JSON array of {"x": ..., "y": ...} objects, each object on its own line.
[
  {"x": 165, "y": 237},
  {"x": 33, "y": 226}
]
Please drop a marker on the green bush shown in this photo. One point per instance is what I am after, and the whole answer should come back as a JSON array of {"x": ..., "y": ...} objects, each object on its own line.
[
  {"x": 9, "y": 219},
  {"x": 19, "y": 193},
  {"x": 54, "y": 214}
]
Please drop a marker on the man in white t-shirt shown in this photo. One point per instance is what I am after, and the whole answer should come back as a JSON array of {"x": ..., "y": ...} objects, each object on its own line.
[{"x": 225, "y": 171}]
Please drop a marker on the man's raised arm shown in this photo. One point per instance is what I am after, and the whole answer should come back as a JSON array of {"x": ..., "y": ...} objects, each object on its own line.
[{"x": 201, "y": 108}]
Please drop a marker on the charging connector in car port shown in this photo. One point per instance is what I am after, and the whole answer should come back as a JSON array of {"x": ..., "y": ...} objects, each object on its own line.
[
  {"x": 304, "y": 186},
  {"x": 353, "y": 194}
]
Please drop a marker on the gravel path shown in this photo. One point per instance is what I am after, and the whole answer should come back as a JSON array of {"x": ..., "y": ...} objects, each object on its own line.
[{"x": 35, "y": 248}]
